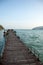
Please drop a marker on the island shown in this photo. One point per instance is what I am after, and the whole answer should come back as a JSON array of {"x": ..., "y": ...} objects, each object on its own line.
[
  {"x": 1, "y": 27},
  {"x": 38, "y": 28}
]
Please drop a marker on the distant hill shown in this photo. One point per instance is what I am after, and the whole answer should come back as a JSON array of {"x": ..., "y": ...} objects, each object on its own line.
[
  {"x": 1, "y": 27},
  {"x": 38, "y": 28}
]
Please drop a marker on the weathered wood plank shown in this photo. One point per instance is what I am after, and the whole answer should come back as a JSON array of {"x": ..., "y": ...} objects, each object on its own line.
[{"x": 16, "y": 53}]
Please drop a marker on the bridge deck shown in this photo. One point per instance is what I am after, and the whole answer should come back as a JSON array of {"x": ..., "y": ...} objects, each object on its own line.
[{"x": 16, "y": 53}]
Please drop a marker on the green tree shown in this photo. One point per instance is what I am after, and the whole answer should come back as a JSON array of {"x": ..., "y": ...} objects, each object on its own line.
[{"x": 1, "y": 27}]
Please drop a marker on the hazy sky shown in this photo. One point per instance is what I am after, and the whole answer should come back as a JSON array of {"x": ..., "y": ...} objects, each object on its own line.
[{"x": 21, "y": 13}]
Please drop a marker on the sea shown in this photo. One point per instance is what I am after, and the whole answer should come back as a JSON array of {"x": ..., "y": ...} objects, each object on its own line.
[
  {"x": 2, "y": 42},
  {"x": 33, "y": 39}
]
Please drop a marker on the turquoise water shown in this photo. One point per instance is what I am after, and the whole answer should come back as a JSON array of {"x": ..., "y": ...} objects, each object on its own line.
[
  {"x": 33, "y": 39},
  {"x": 2, "y": 42}
]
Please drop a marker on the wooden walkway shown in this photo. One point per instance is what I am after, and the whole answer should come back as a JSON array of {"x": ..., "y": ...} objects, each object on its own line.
[{"x": 16, "y": 53}]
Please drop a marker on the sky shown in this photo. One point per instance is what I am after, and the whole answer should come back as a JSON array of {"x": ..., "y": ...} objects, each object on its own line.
[{"x": 21, "y": 14}]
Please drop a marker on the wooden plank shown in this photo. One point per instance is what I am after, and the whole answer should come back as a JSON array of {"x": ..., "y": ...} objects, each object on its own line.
[{"x": 16, "y": 53}]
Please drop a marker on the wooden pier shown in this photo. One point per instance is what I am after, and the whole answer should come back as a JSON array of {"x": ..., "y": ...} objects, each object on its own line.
[{"x": 16, "y": 53}]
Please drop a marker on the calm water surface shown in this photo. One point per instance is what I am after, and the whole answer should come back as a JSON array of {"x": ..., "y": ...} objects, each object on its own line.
[
  {"x": 2, "y": 42},
  {"x": 33, "y": 39}
]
